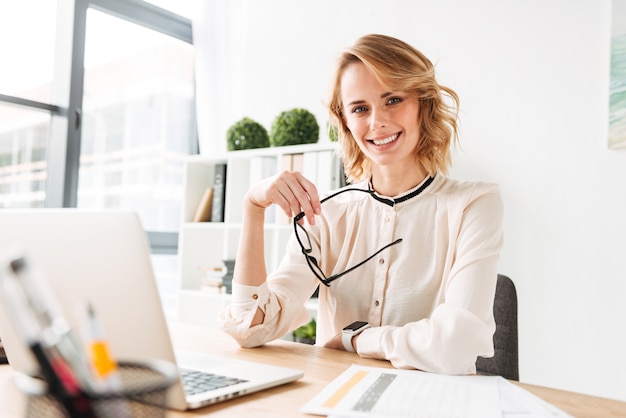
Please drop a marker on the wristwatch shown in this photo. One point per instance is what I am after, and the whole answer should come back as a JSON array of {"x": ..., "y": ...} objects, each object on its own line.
[{"x": 350, "y": 331}]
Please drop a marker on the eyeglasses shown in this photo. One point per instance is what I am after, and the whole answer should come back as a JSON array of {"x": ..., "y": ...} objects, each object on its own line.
[{"x": 305, "y": 244}]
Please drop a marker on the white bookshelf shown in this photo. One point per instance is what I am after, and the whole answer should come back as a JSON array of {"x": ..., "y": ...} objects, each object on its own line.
[{"x": 205, "y": 245}]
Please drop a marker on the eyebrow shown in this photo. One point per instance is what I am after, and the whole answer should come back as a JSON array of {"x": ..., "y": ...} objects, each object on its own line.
[{"x": 382, "y": 96}]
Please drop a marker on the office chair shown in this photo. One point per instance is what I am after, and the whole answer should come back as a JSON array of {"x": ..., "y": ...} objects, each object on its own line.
[{"x": 505, "y": 361}]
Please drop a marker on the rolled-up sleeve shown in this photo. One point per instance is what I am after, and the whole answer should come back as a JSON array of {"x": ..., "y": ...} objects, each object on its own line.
[
  {"x": 235, "y": 319},
  {"x": 281, "y": 300}
]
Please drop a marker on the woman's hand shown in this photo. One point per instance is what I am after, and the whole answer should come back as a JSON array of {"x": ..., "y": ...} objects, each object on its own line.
[
  {"x": 336, "y": 343},
  {"x": 291, "y": 191}
]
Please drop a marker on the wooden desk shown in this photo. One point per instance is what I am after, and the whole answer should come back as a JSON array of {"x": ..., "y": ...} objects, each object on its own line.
[{"x": 320, "y": 366}]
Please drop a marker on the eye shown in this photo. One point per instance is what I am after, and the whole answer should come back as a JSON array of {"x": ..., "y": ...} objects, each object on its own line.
[
  {"x": 359, "y": 109},
  {"x": 394, "y": 100}
]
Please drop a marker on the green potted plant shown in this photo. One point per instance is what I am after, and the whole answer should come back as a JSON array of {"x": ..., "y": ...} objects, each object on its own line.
[
  {"x": 306, "y": 333},
  {"x": 293, "y": 127},
  {"x": 247, "y": 134}
]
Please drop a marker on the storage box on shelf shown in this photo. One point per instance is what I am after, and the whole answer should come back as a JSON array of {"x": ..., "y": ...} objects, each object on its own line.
[{"x": 204, "y": 245}]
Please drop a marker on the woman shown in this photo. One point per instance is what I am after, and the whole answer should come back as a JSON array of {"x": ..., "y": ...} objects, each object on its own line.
[{"x": 404, "y": 249}]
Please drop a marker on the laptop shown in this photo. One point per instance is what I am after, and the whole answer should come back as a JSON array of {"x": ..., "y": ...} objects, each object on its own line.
[{"x": 103, "y": 258}]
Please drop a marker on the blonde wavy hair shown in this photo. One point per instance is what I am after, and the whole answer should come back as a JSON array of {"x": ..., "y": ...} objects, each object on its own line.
[{"x": 399, "y": 67}]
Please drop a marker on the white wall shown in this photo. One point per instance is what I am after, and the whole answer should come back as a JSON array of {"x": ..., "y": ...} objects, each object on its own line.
[{"x": 533, "y": 79}]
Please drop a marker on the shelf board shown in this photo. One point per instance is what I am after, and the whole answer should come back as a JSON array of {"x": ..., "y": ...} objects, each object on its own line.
[{"x": 269, "y": 151}]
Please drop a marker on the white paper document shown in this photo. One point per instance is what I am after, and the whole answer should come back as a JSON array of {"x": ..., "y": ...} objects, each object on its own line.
[
  {"x": 380, "y": 392},
  {"x": 374, "y": 392},
  {"x": 517, "y": 402}
]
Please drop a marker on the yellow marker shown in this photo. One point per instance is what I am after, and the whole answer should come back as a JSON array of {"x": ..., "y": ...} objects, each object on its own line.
[
  {"x": 103, "y": 364},
  {"x": 105, "y": 369}
]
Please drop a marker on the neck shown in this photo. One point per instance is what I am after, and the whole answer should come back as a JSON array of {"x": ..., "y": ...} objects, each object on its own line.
[{"x": 395, "y": 182}]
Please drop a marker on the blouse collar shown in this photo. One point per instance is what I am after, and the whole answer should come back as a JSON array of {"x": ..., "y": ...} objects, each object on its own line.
[{"x": 402, "y": 198}]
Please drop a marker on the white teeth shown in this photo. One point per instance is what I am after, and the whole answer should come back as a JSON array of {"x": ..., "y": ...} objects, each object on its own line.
[{"x": 386, "y": 140}]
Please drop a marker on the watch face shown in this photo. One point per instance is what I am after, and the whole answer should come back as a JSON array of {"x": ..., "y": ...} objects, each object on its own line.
[{"x": 355, "y": 325}]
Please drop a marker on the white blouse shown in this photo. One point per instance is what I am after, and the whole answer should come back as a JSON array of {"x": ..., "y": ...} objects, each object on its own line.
[{"x": 429, "y": 298}]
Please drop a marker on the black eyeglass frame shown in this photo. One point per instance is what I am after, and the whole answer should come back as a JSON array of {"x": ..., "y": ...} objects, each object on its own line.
[{"x": 312, "y": 261}]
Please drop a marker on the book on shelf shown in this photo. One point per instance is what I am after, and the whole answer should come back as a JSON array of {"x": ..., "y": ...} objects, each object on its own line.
[
  {"x": 324, "y": 169},
  {"x": 204, "y": 210},
  {"x": 309, "y": 167},
  {"x": 262, "y": 167},
  {"x": 328, "y": 171},
  {"x": 212, "y": 279},
  {"x": 291, "y": 162},
  {"x": 219, "y": 193},
  {"x": 297, "y": 162}
]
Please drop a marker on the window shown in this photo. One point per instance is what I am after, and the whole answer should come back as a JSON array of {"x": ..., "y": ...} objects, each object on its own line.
[
  {"x": 138, "y": 125},
  {"x": 27, "y": 30},
  {"x": 121, "y": 137},
  {"x": 23, "y": 138},
  {"x": 27, "y": 36}
]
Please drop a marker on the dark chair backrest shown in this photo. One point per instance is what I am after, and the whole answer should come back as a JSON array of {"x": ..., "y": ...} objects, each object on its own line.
[{"x": 505, "y": 361}]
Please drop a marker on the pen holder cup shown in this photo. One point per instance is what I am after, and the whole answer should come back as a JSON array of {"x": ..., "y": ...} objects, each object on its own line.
[{"x": 142, "y": 393}]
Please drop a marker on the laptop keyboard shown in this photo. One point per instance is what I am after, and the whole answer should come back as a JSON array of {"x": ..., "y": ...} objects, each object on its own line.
[{"x": 195, "y": 381}]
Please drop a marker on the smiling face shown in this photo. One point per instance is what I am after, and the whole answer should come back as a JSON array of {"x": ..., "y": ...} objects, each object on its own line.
[
  {"x": 383, "y": 123},
  {"x": 405, "y": 121}
]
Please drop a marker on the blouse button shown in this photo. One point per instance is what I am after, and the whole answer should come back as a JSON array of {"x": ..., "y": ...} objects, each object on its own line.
[
  {"x": 255, "y": 296},
  {"x": 377, "y": 303},
  {"x": 387, "y": 219},
  {"x": 381, "y": 261}
]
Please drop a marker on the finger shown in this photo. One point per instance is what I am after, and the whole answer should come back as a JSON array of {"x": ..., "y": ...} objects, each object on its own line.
[
  {"x": 292, "y": 192},
  {"x": 311, "y": 191},
  {"x": 283, "y": 190},
  {"x": 296, "y": 193},
  {"x": 309, "y": 198},
  {"x": 279, "y": 193}
]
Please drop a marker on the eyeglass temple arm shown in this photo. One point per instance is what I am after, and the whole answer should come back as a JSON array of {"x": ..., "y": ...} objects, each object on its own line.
[
  {"x": 350, "y": 189},
  {"x": 311, "y": 260},
  {"x": 336, "y": 276}
]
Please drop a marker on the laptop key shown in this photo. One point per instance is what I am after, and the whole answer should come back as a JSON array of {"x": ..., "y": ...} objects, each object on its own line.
[{"x": 196, "y": 381}]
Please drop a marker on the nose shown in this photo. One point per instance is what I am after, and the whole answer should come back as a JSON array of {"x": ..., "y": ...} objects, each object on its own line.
[{"x": 378, "y": 120}]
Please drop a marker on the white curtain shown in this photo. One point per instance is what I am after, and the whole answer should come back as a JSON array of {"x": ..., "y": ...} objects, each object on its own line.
[{"x": 219, "y": 34}]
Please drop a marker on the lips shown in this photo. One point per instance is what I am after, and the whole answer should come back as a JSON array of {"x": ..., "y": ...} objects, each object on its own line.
[{"x": 385, "y": 141}]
